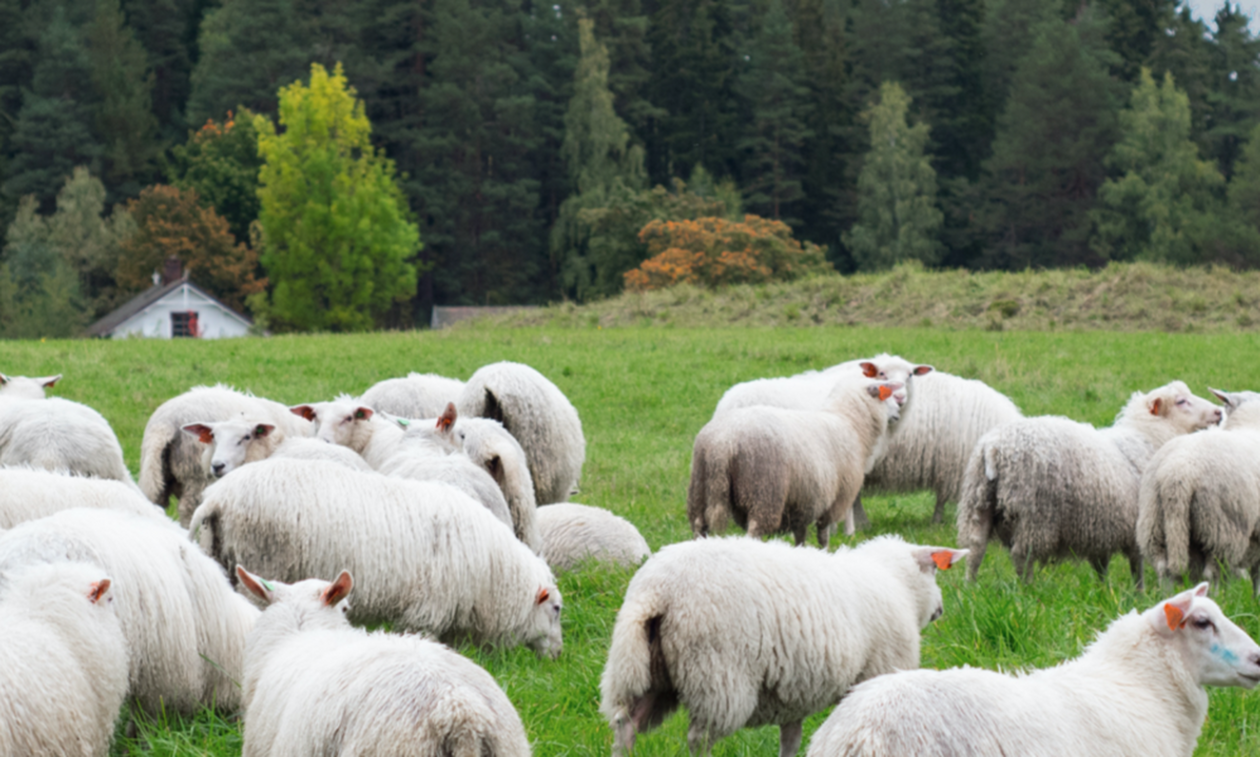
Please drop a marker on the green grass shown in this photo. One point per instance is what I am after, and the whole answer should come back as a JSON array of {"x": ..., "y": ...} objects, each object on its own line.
[{"x": 643, "y": 394}]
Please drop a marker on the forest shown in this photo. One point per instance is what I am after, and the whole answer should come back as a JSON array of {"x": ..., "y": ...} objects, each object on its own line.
[{"x": 525, "y": 152}]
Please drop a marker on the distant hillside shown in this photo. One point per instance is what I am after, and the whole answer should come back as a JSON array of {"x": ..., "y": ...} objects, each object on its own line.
[{"x": 1121, "y": 297}]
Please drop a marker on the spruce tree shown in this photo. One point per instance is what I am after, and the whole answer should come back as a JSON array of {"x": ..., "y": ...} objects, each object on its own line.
[
  {"x": 897, "y": 215},
  {"x": 1234, "y": 87},
  {"x": 772, "y": 84},
  {"x": 1134, "y": 29},
  {"x": 827, "y": 205},
  {"x": 167, "y": 30},
  {"x": 1165, "y": 204}
]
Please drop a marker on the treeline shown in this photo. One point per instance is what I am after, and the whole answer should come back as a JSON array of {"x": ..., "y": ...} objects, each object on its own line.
[{"x": 534, "y": 141}]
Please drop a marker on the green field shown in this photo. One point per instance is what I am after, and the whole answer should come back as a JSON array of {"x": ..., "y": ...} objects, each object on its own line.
[{"x": 643, "y": 394}]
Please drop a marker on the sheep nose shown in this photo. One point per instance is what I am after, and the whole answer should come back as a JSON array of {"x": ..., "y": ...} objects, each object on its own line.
[
  {"x": 218, "y": 469},
  {"x": 900, "y": 397}
]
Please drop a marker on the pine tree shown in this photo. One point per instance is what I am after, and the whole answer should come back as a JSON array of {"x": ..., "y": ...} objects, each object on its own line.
[
  {"x": 1234, "y": 87},
  {"x": 1052, "y": 138},
  {"x": 819, "y": 32},
  {"x": 1008, "y": 28},
  {"x": 123, "y": 114},
  {"x": 603, "y": 165},
  {"x": 772, "y": 84},
  {"x": 53, "y": 133},
  {"x": 623, "y": 27},
  {"x": 1165, "y": 204},
  {"x": 897, "y": 215},
  {"x": 337, "y": 243},
  {"x": 167, "y": 30},
  {"x": 1134, "y": 29}
]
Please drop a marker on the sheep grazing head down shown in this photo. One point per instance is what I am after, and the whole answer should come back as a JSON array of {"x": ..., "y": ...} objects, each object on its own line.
[
  {"x": 343, "y": 421},
  {"x": 1177, "y": 405},
  {"x": 319, "y": 605},
  {"x": 544, "y": 623},
  {"x": 228, "y": 442},
  {"x": 1216, "y": 651}
]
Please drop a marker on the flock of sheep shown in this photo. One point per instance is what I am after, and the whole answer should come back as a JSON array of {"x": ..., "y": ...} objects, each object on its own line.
[{"x": 440, "y": 507}]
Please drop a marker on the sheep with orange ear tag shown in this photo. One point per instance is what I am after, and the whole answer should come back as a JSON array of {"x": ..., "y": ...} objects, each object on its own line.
[
  {"x": 315, "y": 685},
  {"x": 1136, "y": 690}
]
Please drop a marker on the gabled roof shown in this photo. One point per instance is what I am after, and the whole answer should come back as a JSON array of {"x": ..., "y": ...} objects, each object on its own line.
[{"x": 148, "y": 297}]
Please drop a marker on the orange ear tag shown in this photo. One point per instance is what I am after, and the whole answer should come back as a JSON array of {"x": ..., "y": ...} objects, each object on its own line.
[
  {"x": 884, "y": 393},
  {"x": 1176, "y": 618},
  {"x": 943, "y": 559}
]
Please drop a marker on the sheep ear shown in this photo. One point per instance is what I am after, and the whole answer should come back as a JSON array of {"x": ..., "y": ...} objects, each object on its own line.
[
  {"x": 363, "y": 414},
  {"x": 259, "y": 587},
  {"x": 1201, "y": 590},
  {"x": 263, "y": 429},
  {"x": 879, "y": 391},
  {"x": 48, "y": 382},
  {"x": 204, "y": 433},
  {"x": 447, "y": 418},
  {"x": 923, "y": 370},
  {"x": 338, "y": 590},
  {"x": 1155, "y": 405},
  {"x": 306, "y": 411},
  {"x": 543, "y": 594},
  {"x": 97, "y": 590},
  {"x": 1225, "y": 397},
  {"x": 869, "y": 370},
  {"x": 1177, "y": 608},
  {"x": 934, "y": 558}
]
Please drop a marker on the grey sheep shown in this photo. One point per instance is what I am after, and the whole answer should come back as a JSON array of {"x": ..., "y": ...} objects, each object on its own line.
[
  {"x": 573, "y": 533},
  {"x": 777, "y": 470},
  {"x": 1049, "y": 487},
  {"x": 1199, "y": 500},
  {"x": 541, "y": 418}
]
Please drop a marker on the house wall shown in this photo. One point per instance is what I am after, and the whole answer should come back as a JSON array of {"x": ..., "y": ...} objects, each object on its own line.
[{"x": 214, "y": 321}]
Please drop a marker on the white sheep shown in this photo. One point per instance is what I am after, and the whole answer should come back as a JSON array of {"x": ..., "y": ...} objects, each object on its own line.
[
  {"x": 497, "y": 452},
  {"x": 428, "y": 557},
  {"x": 63, "y": 663},
  {"x": 239, "y": 441},
  {"x": 572, "y": 534},
  {"x": 418, "y": 395},
  {"x": 185, "y": 627},
  {"x": 1137, "y": 690},
  {"x": 23, "y": 387},
  {"x": 745, "y": 633},
  {"x": 1050, "y": 488},
  {"x": 61, "y": 435},
  {"x": 171, "y": 460},
  {"x": 778, "y": 470},
  {"x": 1199, "y": 499},
  {"x": 30, "y": 493},
  {"x": 542, "y": 419},
  {"x": 314, "y": 685}
]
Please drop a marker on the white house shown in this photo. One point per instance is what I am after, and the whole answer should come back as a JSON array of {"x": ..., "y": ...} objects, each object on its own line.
[{"x": 177, "y": 309}]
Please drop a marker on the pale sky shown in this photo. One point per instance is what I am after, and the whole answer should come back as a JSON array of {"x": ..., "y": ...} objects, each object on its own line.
[{"x": 1206, "y": 10}]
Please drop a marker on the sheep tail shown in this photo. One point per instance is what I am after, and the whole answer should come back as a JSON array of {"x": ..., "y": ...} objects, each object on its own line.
[
  {"x": 155, "y": 463},
  {"x": 471, "y": 733},
  {"x": 638, "y": 692},
  {"x": 709, "y": 493},
  {"x": 1168, "y": 506},
  {"x": 204, "y": 531},
  {"x": 977, "y": 504}
]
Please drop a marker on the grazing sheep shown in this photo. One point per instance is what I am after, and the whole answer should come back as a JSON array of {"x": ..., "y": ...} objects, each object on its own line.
[
  {"x": 933, "y": 440},
  {"x": 497, "y": 452},
  {"x": 745, "y": 633},
  {"x": 22, "y": 387},
  {"x": 1137, "y": 690},
  {"x": 236, "y": 442},
  {"x": 170, "y": 460},
  {"x": 573, "y": 533},
  {"x": 428, "y": 557},
  {"x": 777, "y": 470},
  {"x": 541, "y": 418},
  {"x": 184, "y": 625},
  {"x": 30, "y": 493},
  {"x": 418, "y": 459},
  {"x": 60, "y": 435},
  {"x": 1049, "y": 487},
  {"x": 416, "y": 396},
  {"x": 1199, "y": 499},
  {"x": 63, "y": 664},
  {"x": 314, "y": 685}
]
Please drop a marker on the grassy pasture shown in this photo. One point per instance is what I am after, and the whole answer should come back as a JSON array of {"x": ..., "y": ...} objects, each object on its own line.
[{"x": 643, "y": 394}]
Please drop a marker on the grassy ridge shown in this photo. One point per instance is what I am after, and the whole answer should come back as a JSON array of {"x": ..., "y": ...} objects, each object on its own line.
[
  {"x": 1121, "y": 297},
  {"x": 643, "y": 394}
]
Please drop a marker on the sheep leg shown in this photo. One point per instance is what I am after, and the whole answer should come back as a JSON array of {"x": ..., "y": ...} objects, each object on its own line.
[
  {"x": 698, "y": 741},
  {"x": 1099, "y": 564},
  {"x": 1255, "y": 580},
  {"x": 856, "y": 520},
  {"x": 938, "y": 515},
  {"x": 1023, "y": 560},
  {"x": 789, "y": 739},
  {"x": 1135, "y": 569}
]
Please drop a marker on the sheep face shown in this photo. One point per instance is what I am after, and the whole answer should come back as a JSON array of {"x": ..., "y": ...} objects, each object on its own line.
[
  {"x": 893, "y": 369},
  {"x": 342, "y": 422},
  {"x": 22, "y": 387},
  {"x": 319, "y": 605},
  {"x": 1216, "y": 651},
  {"x": 1178, "y": 406},
  {"x": 928, "y": 560},
  {"x": 544, "y": 627},
  {"x": 229, "y": 443}
]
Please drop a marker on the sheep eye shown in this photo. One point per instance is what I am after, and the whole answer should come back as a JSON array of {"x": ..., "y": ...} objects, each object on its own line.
[{"x": 1203, "y": 623}]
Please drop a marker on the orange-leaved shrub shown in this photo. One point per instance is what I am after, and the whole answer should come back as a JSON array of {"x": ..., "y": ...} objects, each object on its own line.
[{"x": 715, "y": 251}]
